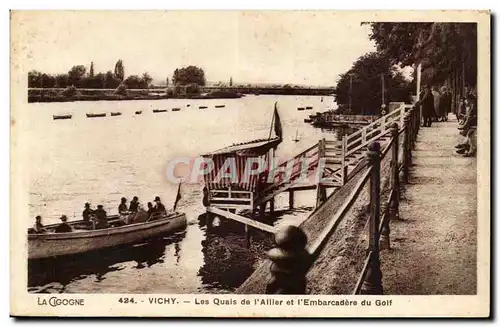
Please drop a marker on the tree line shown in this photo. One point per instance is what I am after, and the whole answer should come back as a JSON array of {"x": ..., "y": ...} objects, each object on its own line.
[
  {"x": 78, "y": 77},
  {"x": 447, "y": 53}
]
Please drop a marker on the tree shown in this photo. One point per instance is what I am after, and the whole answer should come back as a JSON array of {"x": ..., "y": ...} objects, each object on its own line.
[
  {"x": 110, "y": 81},
  {"x": 168, "y": 82},
  {"x": 443, "y": 49},
  {"x": 99, "y": 81},
  {"x": 34, "y": 79},
  {"x": 91, "y": 71},
  {"x": 189, "y": 75},
  {"x": 192, "y": 88},
  {"x": 231, "y": 81},
  {"x": 76, "y": 74},
  {"x": 133, "y": 82},
  {"x": 119, "y": 70},
  {"x": 61, "y": 80},
  {"x": 366, "y": 92},
  {"x": 146, "y": 79}
]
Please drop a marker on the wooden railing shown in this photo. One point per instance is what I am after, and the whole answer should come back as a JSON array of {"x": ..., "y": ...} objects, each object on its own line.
[
  {"x": 363, "y": 137},
  {"x": 296, "y": 252},
  {"x": 330, "y": 117},
  {"x": 232, "y": 199},
  {"x": 290, "y": 170}
]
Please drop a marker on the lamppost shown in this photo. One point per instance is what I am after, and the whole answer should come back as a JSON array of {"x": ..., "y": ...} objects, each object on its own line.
[{"x": 383, "y": 110}]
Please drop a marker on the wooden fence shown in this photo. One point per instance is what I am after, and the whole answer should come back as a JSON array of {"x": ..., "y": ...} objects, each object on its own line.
[{"x": 295, "y": 252}]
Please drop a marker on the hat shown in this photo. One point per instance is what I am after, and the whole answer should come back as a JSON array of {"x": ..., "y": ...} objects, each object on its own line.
[
  {"x": 99, "y": 206},
  {"x": 157, "y": 198},
  {"x": 64, "y": 218},
  {"x": 87, "y": 204},
  {"x": 124, "y": 199},
  {"x": 135, "y": 198},
  {"x": 38, "y": 217}
]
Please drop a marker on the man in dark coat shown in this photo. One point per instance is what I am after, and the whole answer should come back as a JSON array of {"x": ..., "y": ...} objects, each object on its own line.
[
  {"x": 134, "y": 204},
  {"x": 159, "y": 207},
  {"x": 151, "y": 209},
  {"x": 427, "y": 103},
  {"x": 87, "y": 212},
  {"x": 63, "y": 227},
  {"x": 444, "y": 103},
  {"x": 122, "y": 208},
  {"x": 102, "y": 219}
]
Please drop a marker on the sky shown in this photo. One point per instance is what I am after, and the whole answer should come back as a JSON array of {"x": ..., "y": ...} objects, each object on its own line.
[{"x": 295, "y": 47}]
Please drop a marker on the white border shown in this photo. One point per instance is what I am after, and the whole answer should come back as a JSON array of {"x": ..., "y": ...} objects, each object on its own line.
[{"x": 145, "y": 4}]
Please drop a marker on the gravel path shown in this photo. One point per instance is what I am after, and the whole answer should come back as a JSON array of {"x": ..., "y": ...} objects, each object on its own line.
[{"x": 434, "y": 245}]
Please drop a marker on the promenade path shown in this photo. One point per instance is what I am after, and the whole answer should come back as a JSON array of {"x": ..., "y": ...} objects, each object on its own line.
[{"x": 434, "y": 244}]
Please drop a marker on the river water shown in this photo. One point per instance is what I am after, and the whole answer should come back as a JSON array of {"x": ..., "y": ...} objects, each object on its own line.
[{"x": 99, "y": 160}]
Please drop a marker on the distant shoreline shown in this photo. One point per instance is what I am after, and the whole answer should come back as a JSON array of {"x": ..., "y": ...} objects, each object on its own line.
[{"x": 55, "y": 94}]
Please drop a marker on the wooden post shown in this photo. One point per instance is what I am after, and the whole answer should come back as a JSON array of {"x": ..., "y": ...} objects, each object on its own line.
[
  {"x": 395, "y": 172},
  {"x": 290, "y": 199},
  {"x": 373, "y": 280},
  {"x": 248, "y": 237},
  {"x": 414, "y": 130},
  {"x": 406, "y": 149},
  {"x": 343, "y": 154},
  {"x": 321, "y": 190},
  {"x": 290, "y": 262},
  {"x": 271, "y": 205}
]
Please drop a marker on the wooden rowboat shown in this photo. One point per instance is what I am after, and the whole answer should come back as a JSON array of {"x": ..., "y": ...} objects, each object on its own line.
[
  {"x": 202, "y": 107},
  {"x": 159, "y": 110},
  {"x": 300, "y": 108},
  {"x": 176, "y": 109},
  {"x": 138, "y": 112},
  {"x": 116, "y": 114},
  {"x": 220, "y": 105},
  {"x": 49, "y": 244},
  {"x": 96, "y": 115},
  {"x": 68, "y": 116}
]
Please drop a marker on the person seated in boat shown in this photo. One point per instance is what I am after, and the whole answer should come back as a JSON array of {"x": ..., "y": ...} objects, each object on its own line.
[
  {"x": 63, "y": 227},
  {"x": 122, "y": 208},
  {"x": 134, "y": 204},
  {"x": 38, "y": 227},
  {"x": 102, "y": 219},
  {"x": 87, "y": 212},
  {"x": 159, "y": 207},
  {"x": 151, "y": 209}
]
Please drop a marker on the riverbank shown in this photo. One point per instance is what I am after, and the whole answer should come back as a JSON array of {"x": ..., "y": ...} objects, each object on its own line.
[
  {"x": 62, "y": 94},
  {"x": 57, "y": 95}
]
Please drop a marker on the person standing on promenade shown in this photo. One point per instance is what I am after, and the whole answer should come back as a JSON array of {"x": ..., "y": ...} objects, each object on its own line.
[
  {"x": 427, "y": 103},
  {"x": 437, "y": 97},
  {"x": 444, "y": 104}
]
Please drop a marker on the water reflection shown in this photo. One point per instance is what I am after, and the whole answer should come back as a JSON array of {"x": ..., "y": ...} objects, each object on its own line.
[
  {"x": 227, "y": 261},
  {"x": 54, "y": 274}
]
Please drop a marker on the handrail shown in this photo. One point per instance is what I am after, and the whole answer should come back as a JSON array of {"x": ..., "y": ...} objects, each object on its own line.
[{"x": 362, "y": 276}]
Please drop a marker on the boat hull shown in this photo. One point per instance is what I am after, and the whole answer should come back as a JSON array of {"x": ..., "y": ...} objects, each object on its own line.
[
  {"x": 54, "y": 245},
  {"x": 95, "y": 115},
  {"x": 55, "y": 117}
]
